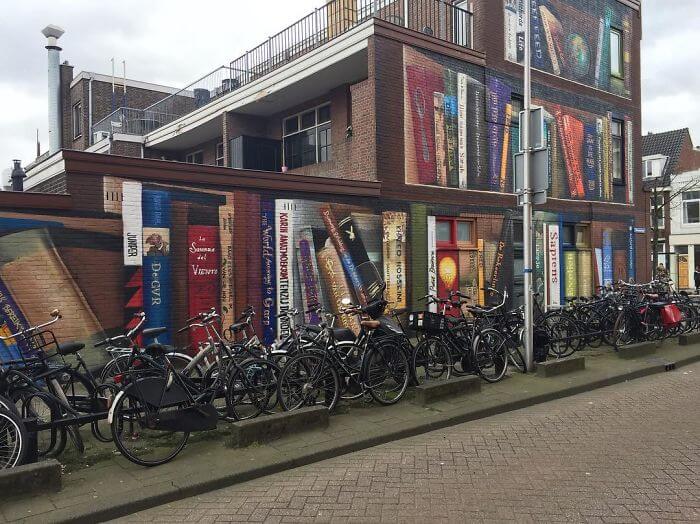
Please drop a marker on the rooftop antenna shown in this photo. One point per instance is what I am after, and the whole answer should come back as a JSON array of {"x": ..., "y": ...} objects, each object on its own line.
[
  {"x": 113, "y": 93},
  {"x": 124, "y": 96}
]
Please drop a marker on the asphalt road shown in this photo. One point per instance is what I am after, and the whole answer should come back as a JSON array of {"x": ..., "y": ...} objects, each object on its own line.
[{"x": 626, "y": 453}]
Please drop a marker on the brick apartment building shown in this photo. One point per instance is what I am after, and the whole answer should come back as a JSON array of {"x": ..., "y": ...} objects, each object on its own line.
[
  {"x": 671, "y": 176},
  {"x": 370, "y": 141}
]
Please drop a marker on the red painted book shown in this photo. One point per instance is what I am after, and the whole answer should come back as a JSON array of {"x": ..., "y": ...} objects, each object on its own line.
[
  {"x": 571, "y": 133},
  {"x": 202, "y": 273}
]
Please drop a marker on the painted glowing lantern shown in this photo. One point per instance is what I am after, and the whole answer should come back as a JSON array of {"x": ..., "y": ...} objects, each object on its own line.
[{"x": 448, "y": 271}]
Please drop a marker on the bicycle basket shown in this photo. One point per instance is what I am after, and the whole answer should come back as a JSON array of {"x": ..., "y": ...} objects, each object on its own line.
[{"x": 426, "y": 321}]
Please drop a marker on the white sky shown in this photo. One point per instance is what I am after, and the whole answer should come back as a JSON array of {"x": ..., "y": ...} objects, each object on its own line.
[{"x": 174, "y": 42}]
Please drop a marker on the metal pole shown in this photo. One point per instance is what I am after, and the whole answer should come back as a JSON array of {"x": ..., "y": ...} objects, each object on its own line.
[
  {"x": 655, "y": 225},
  {"x": 405, "y": 13},
  {"x": 527, "y": 200}
]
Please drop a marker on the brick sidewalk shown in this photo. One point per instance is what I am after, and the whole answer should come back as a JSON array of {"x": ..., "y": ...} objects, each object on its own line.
[
  {"x": 628, "y": 453},
  {"x": 111, "y": 485}
]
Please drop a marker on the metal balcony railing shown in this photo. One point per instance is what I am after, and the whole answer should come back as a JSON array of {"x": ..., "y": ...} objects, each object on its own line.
[{"x": 438, "y": 18}]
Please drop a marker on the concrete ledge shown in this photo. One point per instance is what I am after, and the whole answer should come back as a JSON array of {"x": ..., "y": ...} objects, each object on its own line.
[
  {"x": 638, "y": 350},
  {"x": 439, "y": 389},
  {"x": 552, "y": 368},
  {"x": 31, "y": 478},
  {"x": 687, "y": 340},
  {"x": 271, "y": 427}
]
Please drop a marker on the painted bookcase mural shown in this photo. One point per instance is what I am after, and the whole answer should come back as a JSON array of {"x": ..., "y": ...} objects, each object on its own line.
[
  {"x": 173, "y": 252},
  {"x": 572, "y": 39},
  {"x": 462, "y": 131}
]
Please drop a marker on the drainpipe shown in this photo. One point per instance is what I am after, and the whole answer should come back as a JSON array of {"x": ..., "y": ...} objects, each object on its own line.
[
  {"x": 90, "y": 138},
  {"x": 52, "y": 34}
]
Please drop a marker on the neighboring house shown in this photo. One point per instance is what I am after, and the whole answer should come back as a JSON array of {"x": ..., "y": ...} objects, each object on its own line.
[
  {"x": 671, "y": 171},
  {"x": 394, "y": 123}
]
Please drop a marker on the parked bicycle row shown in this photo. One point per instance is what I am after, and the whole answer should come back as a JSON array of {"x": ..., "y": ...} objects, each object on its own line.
[{"x": 149, "y": 397}]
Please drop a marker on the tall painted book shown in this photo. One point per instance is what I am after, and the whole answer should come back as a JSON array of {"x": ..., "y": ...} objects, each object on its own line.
[
  {"x": 307, "y": 267},
  {"x": 156, "y": 261},
  {"x": 335, "y": 284},
  {"x": 452, "y": 127},
  {"x": 462, "y": 90},
  {"x": 203, "y": 266},
  {"x": 554, "y": 35},
  {"x": 498, "y": 98},
  {"x": 421, "y": 84},
  {"x": 268, "y": 259},
  {"x": 475, "y": 139},
  {"x": 226, "y": 249},
  {"x": 571, "y": 135},
  {"x": 284, "y": 241},
  {"x": 590, "y": 161},
  {"x": 440, "y": 139},
  {"x": 394, "y": 245}
]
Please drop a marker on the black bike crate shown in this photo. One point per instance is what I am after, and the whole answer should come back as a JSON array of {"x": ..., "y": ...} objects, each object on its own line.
[{"x": 427, "y": 321}]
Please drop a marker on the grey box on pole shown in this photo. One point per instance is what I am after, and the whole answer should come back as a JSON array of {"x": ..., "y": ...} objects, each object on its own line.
[
  {"x": 539, "y": 169},
  {"x": 537, "y": 134}
]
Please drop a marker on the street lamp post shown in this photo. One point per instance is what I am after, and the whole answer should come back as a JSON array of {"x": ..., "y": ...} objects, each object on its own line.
[{"x": 527, "y": 200}]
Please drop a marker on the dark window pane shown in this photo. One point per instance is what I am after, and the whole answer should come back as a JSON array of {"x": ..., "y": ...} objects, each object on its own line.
[
  {"x": 308, "y": 119},
  {"x": 292, "y": 151},
  {"x": 615, "y": 52},
  {"x": 568, "y": 235},
  {"x": 691, "y": 212},
  {"x": 324, "y": 114},
  {"x": 444, "y": 231},
  {"x": 464, "y": 231},
  {"x": 308, "y": 147},
  {"x": 291, "y": 125},
  {"x": 617, "y": 158}
]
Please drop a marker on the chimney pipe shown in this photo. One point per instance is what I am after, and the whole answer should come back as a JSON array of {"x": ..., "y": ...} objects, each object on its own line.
[
  {"x": 52, "y": 34},
  {"x": 17, "y": 177}
]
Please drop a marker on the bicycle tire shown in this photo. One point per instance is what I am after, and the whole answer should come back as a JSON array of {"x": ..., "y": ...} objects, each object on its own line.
[
  {"x": 104, "y": 396},
  {"x": 431, "y": 360},
  {"x": 515, "y": 356},
  {"x": 14, "y": 439},
  {"x": 252, "y": 383},
  {"x": 122, "y": 413},
  {"x": 44, "y": 407},
  {"x": 308, "y": 379},
  {"x": 392, "y": 358},
  {"x": 489, "y": 350}
]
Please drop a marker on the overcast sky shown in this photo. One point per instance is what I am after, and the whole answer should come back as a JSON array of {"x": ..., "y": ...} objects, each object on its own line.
[{"x": 174, "y": 42}]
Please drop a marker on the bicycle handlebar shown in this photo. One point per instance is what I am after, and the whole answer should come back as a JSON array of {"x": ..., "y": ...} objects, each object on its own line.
[{"x": 56, "y": 316}]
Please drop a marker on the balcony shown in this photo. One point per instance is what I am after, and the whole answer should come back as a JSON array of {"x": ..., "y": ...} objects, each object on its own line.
[{"x": 437, "y": 18}]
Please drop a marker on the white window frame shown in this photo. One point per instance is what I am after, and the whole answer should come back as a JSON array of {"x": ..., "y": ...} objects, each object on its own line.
[
  {"x": 653, "y": 165},
  {"x": 620, "y": 73},
  {"x": 685, "y": 211},
  {"x": 77, "y": 122},
  {"x": 220, "y": 157},
  {"x": 301, "y": 129},
  {"x": 622, "y": 138},
  {"x": 189, "y": 157}
]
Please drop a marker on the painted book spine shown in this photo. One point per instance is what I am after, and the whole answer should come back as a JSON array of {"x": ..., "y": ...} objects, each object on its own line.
[
  {"x": 308, "y": 274},
  {"x": 268, "y": 261},
  {"x": 203, "y": 274}
]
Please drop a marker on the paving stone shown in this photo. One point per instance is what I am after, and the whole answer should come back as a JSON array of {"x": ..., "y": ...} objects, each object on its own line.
[{"x": 627, "y": 453}]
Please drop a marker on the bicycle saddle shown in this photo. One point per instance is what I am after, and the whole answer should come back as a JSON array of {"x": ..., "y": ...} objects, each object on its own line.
[
  {"x": 237, "y": 327},
  {"x": 370, "y": 324},
  {"x": 70, "y": 348},
  {"x": 154, "y": 332}
]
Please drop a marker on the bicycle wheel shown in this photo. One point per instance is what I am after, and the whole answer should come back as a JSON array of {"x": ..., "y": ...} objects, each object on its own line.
[
  {"x": 624, "y": 328},
  {"x": 251, "y": 388},
  {"x": 490, "y": 354},
  {"x": 116, "y": 366},
  {"x": 431, "y": 361},
  {"x": 385, "y": 372},
  {"x": 13, "y": 439},
  {"x": 563, "y": 333},
  {"x": 134, "y": 434},
  {"x": 308, "y": 380}
]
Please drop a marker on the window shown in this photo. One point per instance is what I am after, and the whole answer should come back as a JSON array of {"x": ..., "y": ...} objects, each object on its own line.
[
  {"x": 616, "y": 53},
  {"x": 454, "y": 232},
  {"x": 568, "y": 235},
  {"x": 583, "y": 237},
  {"x": 307, "y": 137},
  {"x": 77, "y": 120},
  {"x": 196, "y": 157},
  {"x": 691, "y": 207},
  {"x": 618, "y": 141},
  {"x": 220, "y": 154},
  {"x": 659, "y": 211},
  {"x": 653, "y": 167}
]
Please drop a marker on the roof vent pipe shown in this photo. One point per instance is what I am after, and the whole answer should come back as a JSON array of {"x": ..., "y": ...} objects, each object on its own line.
[
  {"x": 17, "y": 177},
  {"x": 52, "y": 34}
]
